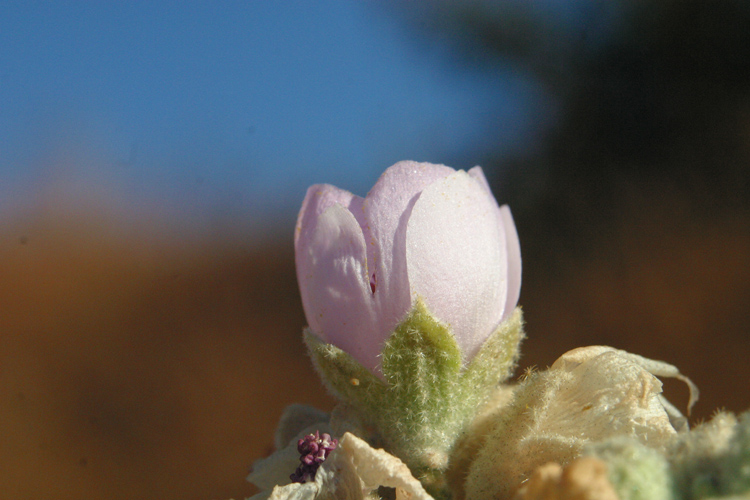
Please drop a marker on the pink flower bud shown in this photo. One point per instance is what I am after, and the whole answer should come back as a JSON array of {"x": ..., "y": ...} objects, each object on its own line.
[{"x": 422, "y": 231}]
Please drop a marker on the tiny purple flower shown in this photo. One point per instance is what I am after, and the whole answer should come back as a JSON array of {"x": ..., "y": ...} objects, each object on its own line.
[{"x": 313, "y": 449}]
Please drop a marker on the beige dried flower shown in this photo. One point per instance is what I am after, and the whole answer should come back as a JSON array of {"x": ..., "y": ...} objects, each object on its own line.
[{"x": 588, "y": 395}]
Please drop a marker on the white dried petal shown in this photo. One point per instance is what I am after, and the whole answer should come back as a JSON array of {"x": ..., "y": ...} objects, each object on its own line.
[
  {"x": 609, "y": 392},
  {"x": 352, "y": 472},
  {"x": 577, "y": 356},
  {"x": 378, "y": 468},
  {"x": 588, "y": 395}
]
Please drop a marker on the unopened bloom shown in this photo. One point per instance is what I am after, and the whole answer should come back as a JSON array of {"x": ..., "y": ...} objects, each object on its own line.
[{"x": 424, "y": 231}]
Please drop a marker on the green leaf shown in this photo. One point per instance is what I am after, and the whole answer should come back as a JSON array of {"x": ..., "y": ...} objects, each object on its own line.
[
  {"x": 346, "y": 378},
  {"x": 497, "y": 358},
  {"x": 422, "y": 364}
]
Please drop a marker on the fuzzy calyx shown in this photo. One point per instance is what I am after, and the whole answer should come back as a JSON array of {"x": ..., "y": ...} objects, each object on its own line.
[{"x": 426, "y": 398}]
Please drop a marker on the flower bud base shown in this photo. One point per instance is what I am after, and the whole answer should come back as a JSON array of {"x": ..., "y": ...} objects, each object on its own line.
[{"x": 426, "y": 398}]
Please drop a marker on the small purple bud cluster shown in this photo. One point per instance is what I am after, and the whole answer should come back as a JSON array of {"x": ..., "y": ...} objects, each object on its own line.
[{"x": 314, "y": 449}]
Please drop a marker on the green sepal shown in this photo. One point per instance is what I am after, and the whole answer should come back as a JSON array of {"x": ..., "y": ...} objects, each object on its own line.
[
  {"x": 497, "y": 358},
  {"x": 345, "y": 377},
  {"x": 422, "y": 365}
]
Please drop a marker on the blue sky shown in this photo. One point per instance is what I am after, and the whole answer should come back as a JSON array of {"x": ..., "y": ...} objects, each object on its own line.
[{"x": 210, "y": 110}]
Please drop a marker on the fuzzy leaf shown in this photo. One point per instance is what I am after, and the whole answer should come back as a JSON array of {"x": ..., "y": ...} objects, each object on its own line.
[
  {"x": 497, "y": 358},
  {"x": 346, "y": 378},
  {"x": 422, "y": 364}
]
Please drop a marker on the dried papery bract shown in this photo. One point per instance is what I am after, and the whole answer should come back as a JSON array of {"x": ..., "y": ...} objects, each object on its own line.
[
  {"x": 353, "y": 471},
  {"x": 591, "y": 394}
]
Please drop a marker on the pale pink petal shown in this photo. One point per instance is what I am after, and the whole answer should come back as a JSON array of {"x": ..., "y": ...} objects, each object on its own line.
[
  {"x": 478, "y": 174},
  {"x": 514, "y": 260},
  {"x": 332, "y": 275},
  {"x": 387, "y": 207},
  {"x": 508, "y": 227},
  {"x": 318, "y": 198},
  {"x": 456, "y": 258}
]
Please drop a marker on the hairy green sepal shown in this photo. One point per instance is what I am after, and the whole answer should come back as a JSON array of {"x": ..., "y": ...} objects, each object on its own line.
[{"x": 426, "y": 398}]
